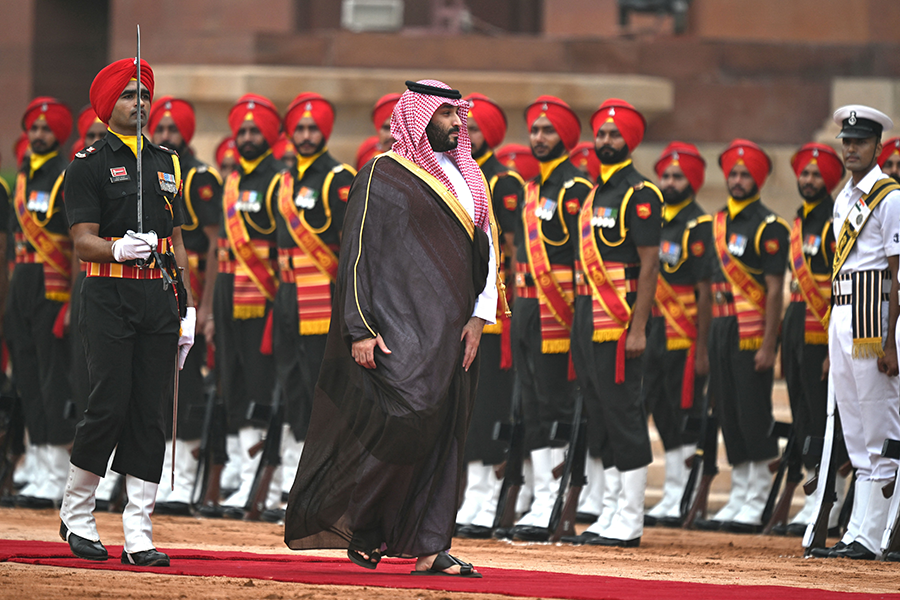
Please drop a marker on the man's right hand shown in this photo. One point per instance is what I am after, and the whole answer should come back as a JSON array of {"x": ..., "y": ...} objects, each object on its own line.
[
  {"x": 363, "y": 351},
  {"x": 134, "y": 246}
]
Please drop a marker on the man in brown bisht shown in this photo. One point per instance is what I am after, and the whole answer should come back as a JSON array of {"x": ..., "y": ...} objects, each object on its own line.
[{"x": 417, "y": 280}]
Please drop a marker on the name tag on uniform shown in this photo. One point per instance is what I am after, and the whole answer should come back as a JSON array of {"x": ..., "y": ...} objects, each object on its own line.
[
  {"x": 546, "y": 209},
  {"x": 605, "y": 217},
  {"x": 306, "y": 198},
  {"x": 737, "y": 244},
  {"x": 167, "y": 182},
  {"x": 38, "y": 201},
  {"x": 859, "y": 212},
  {"x": 811, "y": 245},
  {"x": 117, "y": 174},
  {"x": 249, "y": 201},
  {"x": 669, "y": 252}
]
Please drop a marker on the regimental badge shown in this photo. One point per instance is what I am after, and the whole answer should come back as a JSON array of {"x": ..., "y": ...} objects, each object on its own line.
[
  {"x": 167, "y": 182},
  {"x": 249, "y": 201},
  {"x": 737, "y": 244},
  {"x": 510, "y": 201},
  {"x": 815, "y": 153},
  {"x": 669, "y": 252},
  {"x": 117, "y": 174},
  {"x": 852, "y": 120},
  {"x": 344, "y": 193},
  {"x": 572, "y": 206},
  {"x": 605, "y": 217},
  {"x": 772, "y": 246},
  {"x": 740, "y": 151},
  {"x": 38, "y": 201},
  {"x": 612, "y": 112},
  {"x": 306, "y": 198},
  {"x": 643, "y": 210},
  {"x": 698, "y": 248},
  {"x": 205, "y": 192},
  {"x": 546, "y": 209},
  {"x": 811, "y": 245}
]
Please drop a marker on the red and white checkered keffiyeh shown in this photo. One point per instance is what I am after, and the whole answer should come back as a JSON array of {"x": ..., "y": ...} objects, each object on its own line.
[{"x": 411, "y": 115}]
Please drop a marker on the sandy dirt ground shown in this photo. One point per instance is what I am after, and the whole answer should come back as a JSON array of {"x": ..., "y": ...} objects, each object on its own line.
[{"x": 665, "y": 554}]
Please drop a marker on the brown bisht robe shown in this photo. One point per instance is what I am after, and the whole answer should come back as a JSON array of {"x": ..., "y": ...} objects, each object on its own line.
[{"x": 385, "y": 446}]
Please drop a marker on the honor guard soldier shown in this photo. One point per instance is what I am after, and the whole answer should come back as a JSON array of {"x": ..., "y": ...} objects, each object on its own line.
[
  {"x": 136, "y": 331},
  {"x": 676, "y": 362},
  {"x": 487, "y": 128},
  {"x": 861, "y": 333},
  {"x": 804, "y": 348},
  {"x": 247, "y": 282},
  {"x": 751, "y": 243},
  {"x": 171, "y": 124},
  {"x": 226, "y": 157},
  {"x": 382, "y": 140},
  {"x": 889, "y": 159},
  {"x": 585, "y": 158},
  {"x": 310, "y": 217},
  {"x": 39, "y": 293},
  {"x": 546, "y": 222},
  {"x": 617, "y": 237}
]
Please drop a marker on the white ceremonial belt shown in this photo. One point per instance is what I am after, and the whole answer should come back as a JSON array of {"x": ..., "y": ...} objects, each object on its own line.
[{"x": 844, "y": 287}]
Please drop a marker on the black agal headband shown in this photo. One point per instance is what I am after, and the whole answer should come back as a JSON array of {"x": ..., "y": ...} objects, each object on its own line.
[{"x": 430, "y": 90}]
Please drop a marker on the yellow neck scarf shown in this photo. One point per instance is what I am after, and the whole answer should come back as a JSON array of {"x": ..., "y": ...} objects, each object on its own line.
[
  {"x": 670, "y": 211},
  {"x": 249, "y": 165},
  {"x": 607, "y": 171},
  {"x": 809, "y": 206},
  {"x": 303, "y": 162},
  {"x": 36, "y": 161},
  {"x": 547, "y": 168},
  {"x": 484, "y": 157},
  {"x": 128, "y": 140},
  {"x": 736, "y": 206}
]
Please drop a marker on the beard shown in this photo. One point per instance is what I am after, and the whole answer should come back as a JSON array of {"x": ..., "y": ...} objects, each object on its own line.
[
  {"x": 480, "y": 151},
  {"x": 251, "y": 151},
  {"x": 440, "y": 138},
  {"x": 741, "y": 195},
  {"x": 40, "y": 147},
  {"x": 610, "y": 156},
  {"x": 811, "y": 194},
  {"x": 554, "y": 153},
  {"x": 307, "y": 149},
  {"x": 671, "y": 196}
]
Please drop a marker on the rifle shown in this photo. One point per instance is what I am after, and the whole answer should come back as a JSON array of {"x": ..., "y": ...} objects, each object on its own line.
[
  {"x": 817, "y": 530},
  {"x": 788, "y": 463},
  {"x": 704, "y": 461},
  {"x": 890, "y": 540},
  {"x": 271, "y": 455},
  {"x": 562, "y": 518},
  {"x": 203, "y": 480},
  {"x": 12, "y": 438},
  {"x": 513, "y": 478}
]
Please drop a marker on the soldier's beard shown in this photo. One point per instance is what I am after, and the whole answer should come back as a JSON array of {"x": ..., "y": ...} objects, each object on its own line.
[
  {"x": 671, "y": 196},
  {"x": 609, "y": 156},
  {"x": 812, "y": 195},
  {"x": 554, "y": 153},
  {"x": 251, "y": 151}
]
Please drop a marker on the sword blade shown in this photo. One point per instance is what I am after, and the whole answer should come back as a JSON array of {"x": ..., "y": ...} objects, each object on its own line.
[
  {"x": 140, "y": 191},
  {"x": 174, "y": 418}
]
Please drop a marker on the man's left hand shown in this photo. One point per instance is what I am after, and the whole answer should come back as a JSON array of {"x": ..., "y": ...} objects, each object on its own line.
[
  {"x": 635, "y": 342},
  {"x": 764, "y": 359},
  {"x": 471, "y": 333},
  {"x": 887, "y": 364},
  {"x": 186, "y": 339}
]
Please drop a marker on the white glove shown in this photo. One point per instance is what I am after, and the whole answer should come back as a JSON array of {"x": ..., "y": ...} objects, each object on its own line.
[
  {"x": 186, "y": 340},
  {"x": 134, "y": 246}
]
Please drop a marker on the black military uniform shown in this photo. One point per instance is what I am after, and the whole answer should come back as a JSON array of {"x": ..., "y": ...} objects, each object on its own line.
[
  {"x": 320, "y": 198},
  {"x": 130, "y": 327}
]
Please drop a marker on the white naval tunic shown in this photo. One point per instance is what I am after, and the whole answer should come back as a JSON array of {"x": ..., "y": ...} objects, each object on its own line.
[{"x": 868, "y": 401}]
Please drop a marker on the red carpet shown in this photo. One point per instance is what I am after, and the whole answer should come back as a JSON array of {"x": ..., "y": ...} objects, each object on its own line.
[{"x": 394, "y": 573}]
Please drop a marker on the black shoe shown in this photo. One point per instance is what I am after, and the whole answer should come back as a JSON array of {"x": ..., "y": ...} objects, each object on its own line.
[
  {"x": 147, "y": 558},
  {"x": 102, "y": 505},
  {"x": 580, "y": 539},
  {"x": 612, "y": 542},
  {"x": 707, "y": 525},
  {"x": 794, "y": 529},
  {"x": 650, "y": 521},
  {"x": 831, "y": 552},
  {"x": 34, "y": 502},
  {"x": 210, "y": 510},
  {"x": 272, "y": 515},
  {"x": 503, "y": 533},
  {"x": 81, "y": 547},
  {"x": 780, "y": 529},
  {"x": 585, "y": 517},
  {"x": 531, "y": 533},
  {"x": 8, "y": 501},
  {"x": 173, "y": 508},
  {"x": 474, "y": 532},
  {"x": 738, "y": 527},
  {"x": 233, "y": 512},
  {"x": 856, "y": 551},
  {"x": 892, "y": 556},
  {"x": 669, "y": 521}
]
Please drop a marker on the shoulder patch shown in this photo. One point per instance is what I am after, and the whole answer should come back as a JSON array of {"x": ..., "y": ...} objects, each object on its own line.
[
  {"x": 772, "y": 246},
  {"x": 510, "y": 201},
  {"x": 205, "y": 192},
  {"x": 344, "y": 193},
  {"x": 697, "y": 248},
  {"x": 572, "y": 206},
  {"x": 86, "y": 152},
  {"x": 643, "y": 210}
]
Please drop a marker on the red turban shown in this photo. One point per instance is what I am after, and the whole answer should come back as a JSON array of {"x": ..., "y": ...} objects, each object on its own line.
[
  {"x": 367, "y": 150},
  {"x": 20, "y": 148},
  {"x": 383, "y": 108},
  {"x": 830, "y": 165},
  {"x": 181, "y": 111},
  {"x": 57, "y": 114},
  {"x": 226, "y": 149},
  {"x": 752, "y": 156},
  {"x": 309, "y": 104},
  {"x": 887, "y": 149},
  {"x": 520, "y": 159},
  {"x": 688, "y": 159},
  {"x": 563, "y": 118},
  {"x": 489, "y": 117},
  {"x": 261, "y": 111},
  {"x": 86, "y": 118},
  {"x": 630, "y": 123},
  {"x": 585, "y": 158},
  {"x": 282, "y": 147},
  {"x": 112, "y": 79}
]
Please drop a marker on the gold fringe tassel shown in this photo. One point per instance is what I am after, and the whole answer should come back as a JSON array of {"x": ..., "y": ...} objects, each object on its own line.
[
  {"x": 867, "y": 348},
  {"x": 754, "y": 343},
  {"x": 314, "y": 326},
  {"x": 607, "y": 335},
  {"x": 678, "y": 344},
  {"x": 58, "y": 296},
  {"x": 249, "y": 311},
  {"x": 554, "y": 346},
  {"x": 816, "y": 338},
  {"x": 495, "y": 329}
]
